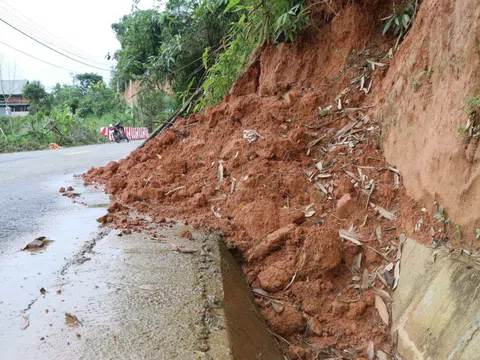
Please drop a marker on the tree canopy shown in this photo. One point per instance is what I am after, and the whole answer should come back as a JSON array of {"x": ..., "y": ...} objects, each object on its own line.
[
  {"x": 34, "y": 91},
  {"x": 194, "y": 43},
  {"x": 87, "y": 79}
]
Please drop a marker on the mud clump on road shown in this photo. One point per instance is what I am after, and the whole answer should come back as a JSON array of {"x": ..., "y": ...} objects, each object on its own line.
[{"x": 289, "y": 170}]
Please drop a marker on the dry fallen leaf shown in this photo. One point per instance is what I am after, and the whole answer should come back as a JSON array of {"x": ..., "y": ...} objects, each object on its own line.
[
  {"x": 315, "y": 326},
  {"x": 173, "y": 190},
  {"x": 35, "y": 244},
  {"x": 309, "y": 214},
  {"x": 382, "y": 355},
  {"x": 220, "y": 171},
  {"x": 185, "y": 250},
  {"x": 218, "y": 198},
  {"x": 382, "y": 309},
  {"x": 378, "y": 233},
  {"x": 320, "y": 187},
  {"x": 277, "y": 307},
  {"x": 396, "y": 274},
  {"x": 370, "y": 350},
  {"x": 216, "y": 213},
  {"x": 365, "y": 280},
  {"x": 71, "y": 320},
  {"x": 260, "y": 292},
  {"x": 385, "y": 213},
  {"x": 350, "y": 236},
  {"x": 380, "y": 292},
  {"x": 24, "y": 322},
  {"x": 357, "y": 262}
]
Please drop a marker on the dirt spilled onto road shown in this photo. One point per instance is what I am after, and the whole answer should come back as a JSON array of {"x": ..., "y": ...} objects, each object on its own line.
[{"x": 290, "y": 171}]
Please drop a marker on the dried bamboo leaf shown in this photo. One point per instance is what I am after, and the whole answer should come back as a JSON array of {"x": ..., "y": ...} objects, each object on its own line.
[
  {"x": 351, "y": 236},
  {"x": 382, "y": 309},
  {"x": 389, "y": 267},
  {"x": 346, "y": 128},
  {"x": 320, "y": 187},
  {"x": 380, "y": 292},
  {"x": 357, "y": 262},
  {"x": 378, "y": 233},
  {"x": 385, "y": 213},
  {"x": 24, "y": 322},
  {"x": 374, "y": 63},
  {"x": 382, "y": 278},
  {"x": 396, "y": 274},
  {"x": 370, "y": 350},
  {"x": 310, "y": 213},
  {"x": 396, "y": 178},
  {"x": 173, "y": 190},
  {"x": 392, "y": 169},
  {"x": 381, "y": 355},
  {"x": 220, "y": 197},
  {"x": 291, "y": 282},
  {"x": 364, "y": 284},
  {"x": 216, "y": 213},
  {"x": 260, "y": 292},
  {"x": 232, "y": 188},
  {"x": 220, "y": 171}
]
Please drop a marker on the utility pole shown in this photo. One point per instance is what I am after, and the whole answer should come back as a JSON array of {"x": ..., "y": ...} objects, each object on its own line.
[{"x": 131, "y": 103}]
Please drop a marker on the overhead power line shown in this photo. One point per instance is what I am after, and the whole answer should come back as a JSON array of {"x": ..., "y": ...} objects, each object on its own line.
[
  {"x": 50, "y": 48},
  {"x": 43, "y": 61},
  {"x": 45, "y": 35},
  {"x": 34, "y": 57}
]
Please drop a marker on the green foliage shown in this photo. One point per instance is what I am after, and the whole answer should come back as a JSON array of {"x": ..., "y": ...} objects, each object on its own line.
[
  {"x": 34, "y": 91},
  {"x": 201, "y": 43},
  {"x": 99, "y": 100},
  {"x": 221, "y": 76},
  {"x": 88, "y": 79},
  {"x": 400, "y": 20},
  {"x": 155, "y": 106},
  {"x": 440, "y": 216},
  {"x": 66, "y": 96},
  {"x": 472, "y": 128},
  {"x": 458, "y": 232},
  {"x": 477, "y": 231},
  {"x": 68, "y": 116}
]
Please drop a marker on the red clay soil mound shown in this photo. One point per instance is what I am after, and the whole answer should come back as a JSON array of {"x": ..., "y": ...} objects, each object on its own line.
[{"x": 289, "y": 169}]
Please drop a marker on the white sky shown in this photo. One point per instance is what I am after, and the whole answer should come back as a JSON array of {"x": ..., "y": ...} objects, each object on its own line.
[{"x": 80, "y": 27}]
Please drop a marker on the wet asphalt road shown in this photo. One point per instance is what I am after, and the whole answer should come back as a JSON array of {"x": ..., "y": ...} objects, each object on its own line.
[
  {"x": 29, "y": 179},
  {"x": 130, "y": 296}
]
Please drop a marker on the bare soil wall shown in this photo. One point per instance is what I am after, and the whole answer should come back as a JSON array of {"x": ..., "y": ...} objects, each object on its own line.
[{"x": 422, "y": 109}]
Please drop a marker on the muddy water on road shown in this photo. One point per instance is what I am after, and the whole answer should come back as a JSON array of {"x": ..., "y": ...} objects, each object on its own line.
[
  {"x": 125, "y": 297},
  {"x": 24, "y": 273}
]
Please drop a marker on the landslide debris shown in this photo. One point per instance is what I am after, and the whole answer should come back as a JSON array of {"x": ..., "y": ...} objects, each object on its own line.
[{"x": 291, "y": 173}]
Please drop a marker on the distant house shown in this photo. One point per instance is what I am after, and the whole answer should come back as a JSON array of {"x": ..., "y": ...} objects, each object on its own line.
[{"x": 12, "y": 101}]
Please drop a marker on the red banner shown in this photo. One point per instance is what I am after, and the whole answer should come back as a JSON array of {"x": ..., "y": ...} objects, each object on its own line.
[{"x": 132, "y": 133}]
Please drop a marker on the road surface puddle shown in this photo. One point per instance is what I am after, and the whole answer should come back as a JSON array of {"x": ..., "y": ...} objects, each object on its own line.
[{"x": 99, "y": 294}]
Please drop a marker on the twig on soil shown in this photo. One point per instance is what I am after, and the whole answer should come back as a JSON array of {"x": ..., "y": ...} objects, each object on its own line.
[
  {"x": 291, "y": 281},
  {"x": 173, "y": 190},
  {"x": 281, "y": 338},
  {"x": 369, "y": 196},
  {"x": 329, "y": 213}
]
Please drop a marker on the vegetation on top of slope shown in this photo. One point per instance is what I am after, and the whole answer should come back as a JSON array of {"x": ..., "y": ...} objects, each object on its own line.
[{"x": 200, "y": 43}]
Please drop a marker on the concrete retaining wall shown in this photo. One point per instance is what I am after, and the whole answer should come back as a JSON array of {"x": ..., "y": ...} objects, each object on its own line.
[{"x": 436, "y": 308}]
